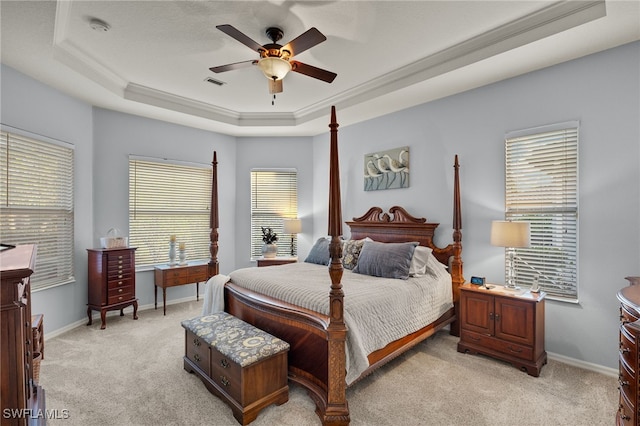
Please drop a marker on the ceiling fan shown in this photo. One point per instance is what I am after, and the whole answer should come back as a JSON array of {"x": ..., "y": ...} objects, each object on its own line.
[{"x": 275, "y": 60}]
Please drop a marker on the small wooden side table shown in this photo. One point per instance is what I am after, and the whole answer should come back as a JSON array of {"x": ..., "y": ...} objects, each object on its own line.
[
  {"x": 263, "y": 261},
  {"x": 174, "y": 275},
  {"x": 504, "y": 324}
]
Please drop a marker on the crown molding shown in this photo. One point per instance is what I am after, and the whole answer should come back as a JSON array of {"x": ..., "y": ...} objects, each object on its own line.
[{"x": 553, "y": 19}]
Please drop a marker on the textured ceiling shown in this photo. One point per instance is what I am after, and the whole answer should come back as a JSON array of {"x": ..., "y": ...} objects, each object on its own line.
[{"x": 388, "y": 55}]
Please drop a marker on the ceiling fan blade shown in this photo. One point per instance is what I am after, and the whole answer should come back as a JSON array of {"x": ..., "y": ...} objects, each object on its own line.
[
  {"x": 241, "y": 37},
  {"x": 312, "y": 71},
  {"x": 304, "y": 41},
  {"x": 234, "y": 66}
]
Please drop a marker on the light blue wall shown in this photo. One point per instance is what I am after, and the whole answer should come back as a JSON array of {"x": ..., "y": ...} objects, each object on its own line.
[
  {"x": 34, "y": 107},
  {"x": 289, "y": 152},
  {"x": 602, "y": 91},
  {"x": 116, "y": 136}
]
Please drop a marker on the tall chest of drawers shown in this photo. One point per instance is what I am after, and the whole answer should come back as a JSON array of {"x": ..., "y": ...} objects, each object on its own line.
[
  {"x": 112, "y": 282},
  {"x": 629, "y": 375}
]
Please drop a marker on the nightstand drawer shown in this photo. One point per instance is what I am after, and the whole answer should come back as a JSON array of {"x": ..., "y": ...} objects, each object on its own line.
[
  {"x": 508, "y": 348},
  {"x": 176, "y": 277},
  {"x": 198, "y": 273}
]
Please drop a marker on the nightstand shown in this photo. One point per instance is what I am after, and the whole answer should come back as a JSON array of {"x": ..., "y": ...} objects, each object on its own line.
[
  {"x": 263, "y": 261},
  {"x": 504, "y": 324}
]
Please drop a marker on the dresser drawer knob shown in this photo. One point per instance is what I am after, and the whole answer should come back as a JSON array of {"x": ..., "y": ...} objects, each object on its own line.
[
  {"x": 120, "y": 261},
  {"x": 120, "y": 257},
  {"x": 224, "y": 363},
  {"x": 119, "y": 277},
  {"x": 196, "y": 357},
  {"x": 622, "y": 382},
  {"x": 119, "y": 290},
  {"x": 624, "y": 350},
  {"x": 224, "y": 381},
  {"x": 623, "y": 416},
  {"x": 119, "y": 282},
  {"x": 120, "y": 298},
  {"x": 196, "y": 342}
]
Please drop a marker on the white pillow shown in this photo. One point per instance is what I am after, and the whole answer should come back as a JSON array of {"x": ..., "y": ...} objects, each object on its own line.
[{"x": 419, "y": 261}]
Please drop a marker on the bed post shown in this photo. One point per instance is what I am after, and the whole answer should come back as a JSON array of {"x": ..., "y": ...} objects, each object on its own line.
[
  {"x": 214, "y": 268},
  {"x": 336, "y": 411},
  {"x": 456, "y": 263}
]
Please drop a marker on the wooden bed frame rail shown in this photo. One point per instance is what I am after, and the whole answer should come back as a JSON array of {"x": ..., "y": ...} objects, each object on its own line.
[{"x": 317, "y": 358}]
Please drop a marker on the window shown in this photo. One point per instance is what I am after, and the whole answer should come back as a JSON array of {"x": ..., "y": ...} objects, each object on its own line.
[
  {"x": 37, "y": 202},
  {"x": 274, "y": 197},
  {"x": 542, "y": 189},
  {"x": 168, "y": 198}
]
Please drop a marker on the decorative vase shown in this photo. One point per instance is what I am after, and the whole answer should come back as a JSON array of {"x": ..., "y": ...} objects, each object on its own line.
[
  {"x": 172, "y": 253},
  {"x": 182, "y": 256},
  {"x": 269, "y": 251}
]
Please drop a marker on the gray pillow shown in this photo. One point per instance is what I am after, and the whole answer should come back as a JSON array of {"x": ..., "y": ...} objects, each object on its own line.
[
  {"x": 388, "y": 260},
  {"x": 319, "y": 253}
]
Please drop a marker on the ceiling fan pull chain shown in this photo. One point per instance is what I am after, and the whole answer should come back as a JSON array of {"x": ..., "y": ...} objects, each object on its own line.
[{"x": 273, "y": 101}]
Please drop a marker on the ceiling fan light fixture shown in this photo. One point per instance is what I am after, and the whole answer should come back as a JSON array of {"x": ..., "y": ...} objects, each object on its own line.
[{"x": 274, "y": 67}]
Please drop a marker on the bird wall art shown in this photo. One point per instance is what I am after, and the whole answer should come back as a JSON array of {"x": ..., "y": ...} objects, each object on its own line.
[{"x": 387, "y": 169}]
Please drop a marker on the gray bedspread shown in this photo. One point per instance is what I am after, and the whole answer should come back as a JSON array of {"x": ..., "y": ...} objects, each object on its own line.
[{"x": 377, "y": 310}]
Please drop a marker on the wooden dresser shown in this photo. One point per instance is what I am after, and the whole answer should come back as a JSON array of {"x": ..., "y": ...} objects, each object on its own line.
[
  {"x": 112, "y": 282},
  {"x": 19, "y": 392},
  {"x": 629, "y": 376},
  {"x": 504, "y": 324}
]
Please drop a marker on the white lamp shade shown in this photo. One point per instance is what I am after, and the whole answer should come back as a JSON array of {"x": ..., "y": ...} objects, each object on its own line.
[
  {"x": 292, "y": 226},
  {"x": 510, "y": 234},
  {"x": 274, "y": 67}
]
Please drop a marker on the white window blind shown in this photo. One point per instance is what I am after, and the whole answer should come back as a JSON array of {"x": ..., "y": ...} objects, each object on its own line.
[
  {"x": 37, "y": 203},
  {"x": 274, "y": 197},
  {"x": 542, "y": 189},
  {"x": 165, "y": 199}
]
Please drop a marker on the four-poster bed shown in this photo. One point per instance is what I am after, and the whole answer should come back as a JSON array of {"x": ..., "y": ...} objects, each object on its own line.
[{"x": 317, "y": 357}]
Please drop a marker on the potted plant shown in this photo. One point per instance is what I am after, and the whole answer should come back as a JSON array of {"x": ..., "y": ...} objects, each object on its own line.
[{"x": 269, "y": 238}]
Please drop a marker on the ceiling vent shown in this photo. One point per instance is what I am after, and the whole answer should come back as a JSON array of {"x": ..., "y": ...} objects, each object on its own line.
[{"x": 214, "y": 81}]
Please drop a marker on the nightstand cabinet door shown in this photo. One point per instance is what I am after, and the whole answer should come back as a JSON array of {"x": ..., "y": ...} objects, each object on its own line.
[
  {"x": 477, "y": 313},
  {"x": 514, "y": 320}
]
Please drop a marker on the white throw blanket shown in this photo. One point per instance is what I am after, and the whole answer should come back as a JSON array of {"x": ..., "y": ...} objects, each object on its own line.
[
  {"x": 377, "y": 310},
  {"x": 214, "y": 294}
]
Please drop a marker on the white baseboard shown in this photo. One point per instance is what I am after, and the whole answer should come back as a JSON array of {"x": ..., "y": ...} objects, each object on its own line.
[
  {"x": 607, "y": 371},
  {"x": 96, "y": 316}
]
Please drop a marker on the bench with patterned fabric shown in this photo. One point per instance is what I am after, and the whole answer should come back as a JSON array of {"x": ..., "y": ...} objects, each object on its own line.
[{"x": 241, "y": 364}]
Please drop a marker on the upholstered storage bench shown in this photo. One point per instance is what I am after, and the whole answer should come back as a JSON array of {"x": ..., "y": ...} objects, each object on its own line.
[{"x": 241, "y": 364}]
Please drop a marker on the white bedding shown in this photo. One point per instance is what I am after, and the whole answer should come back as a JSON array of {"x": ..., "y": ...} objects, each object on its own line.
[{"x": 377, "y": 310}]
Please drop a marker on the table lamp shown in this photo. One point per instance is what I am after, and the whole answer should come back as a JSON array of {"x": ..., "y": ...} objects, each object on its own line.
[
  {"x": 292, "y": 226},
  {"x": 510, "y": 235}
]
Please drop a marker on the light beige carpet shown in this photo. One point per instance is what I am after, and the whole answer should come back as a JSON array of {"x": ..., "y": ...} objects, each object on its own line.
[{"x": 132, "y": 374}]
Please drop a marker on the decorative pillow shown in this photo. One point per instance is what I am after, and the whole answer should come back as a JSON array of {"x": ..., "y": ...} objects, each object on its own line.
[
  {"x": 434, "y": 267},
  {"x": 319, "y": 253},
  {"x": 351, "y": 252},
  {"x": 388, "y": 260},
  {"x": 419, "y": 261}
]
